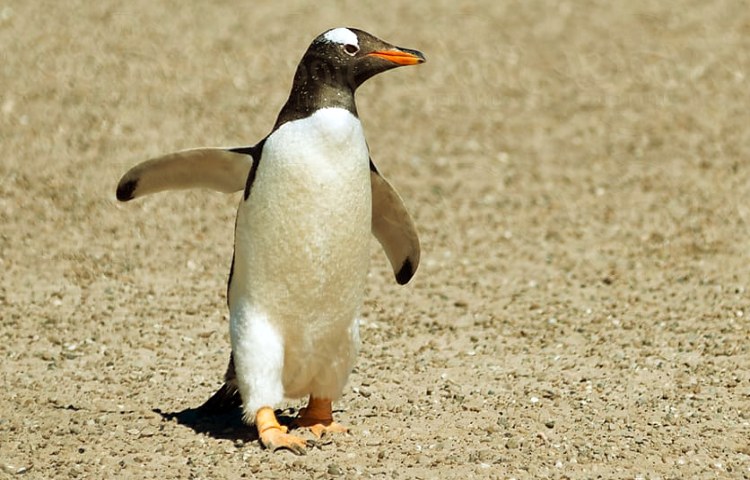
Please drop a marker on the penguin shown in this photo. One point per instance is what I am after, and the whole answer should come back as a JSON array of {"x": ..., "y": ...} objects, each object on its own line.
[{"x": 311, "y": 197}]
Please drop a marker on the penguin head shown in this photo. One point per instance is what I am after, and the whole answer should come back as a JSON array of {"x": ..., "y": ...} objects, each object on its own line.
[{"x": 348, "y": 57}]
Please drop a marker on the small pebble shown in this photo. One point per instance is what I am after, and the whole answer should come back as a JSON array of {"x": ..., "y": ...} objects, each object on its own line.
[
  {"x": 334, "y": 469},
  {"x": 14, "y": 470}
]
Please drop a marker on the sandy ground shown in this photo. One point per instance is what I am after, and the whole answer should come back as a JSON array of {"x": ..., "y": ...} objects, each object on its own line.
[{"x": 580, "y": 174}]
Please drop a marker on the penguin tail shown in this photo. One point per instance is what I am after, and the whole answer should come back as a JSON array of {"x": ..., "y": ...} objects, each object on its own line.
[{"x": 226, "y": 399}]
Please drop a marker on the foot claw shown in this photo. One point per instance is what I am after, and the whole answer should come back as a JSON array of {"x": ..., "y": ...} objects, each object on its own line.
[
  {"x": 275, "y": 439},
  {"x": 274, "y": 436},
  {"x": 317, "y": 418},
  {"x": 320, "y": 428}
]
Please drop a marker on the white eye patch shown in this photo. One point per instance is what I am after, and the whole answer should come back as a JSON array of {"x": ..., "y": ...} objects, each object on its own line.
[{"x": 344, "y": 36}]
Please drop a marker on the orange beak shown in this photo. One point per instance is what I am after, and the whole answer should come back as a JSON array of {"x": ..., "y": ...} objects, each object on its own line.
[{"x": 400, "y": 57}]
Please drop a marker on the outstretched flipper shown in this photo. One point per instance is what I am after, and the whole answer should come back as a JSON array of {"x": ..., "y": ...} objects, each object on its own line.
[
  {"x": 226, "y": 170},
  {"x": 219, "y": 169}
]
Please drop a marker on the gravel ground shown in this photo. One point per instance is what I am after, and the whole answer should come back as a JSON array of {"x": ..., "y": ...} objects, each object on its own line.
[{"x": 580, "y": 175}]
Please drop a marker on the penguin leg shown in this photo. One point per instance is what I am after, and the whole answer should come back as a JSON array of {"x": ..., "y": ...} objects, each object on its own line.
[
  {"x": 318, "y": 418},
  {"x": 273, "y": 436},
  {"x": 258, "y": 353}
]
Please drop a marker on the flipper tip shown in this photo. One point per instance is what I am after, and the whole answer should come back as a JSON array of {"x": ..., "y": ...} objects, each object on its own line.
[
  {"x": 126, "y": 190},
  {"x": 405, "y": 273}
]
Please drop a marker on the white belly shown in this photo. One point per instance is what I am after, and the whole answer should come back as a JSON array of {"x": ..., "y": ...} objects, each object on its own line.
[{"x": 301, "y": 256}]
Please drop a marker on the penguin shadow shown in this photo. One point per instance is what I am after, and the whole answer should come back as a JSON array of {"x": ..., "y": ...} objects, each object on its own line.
[
  {"x": 221, "y": 426},
  {"x": 221, "y": 420}
]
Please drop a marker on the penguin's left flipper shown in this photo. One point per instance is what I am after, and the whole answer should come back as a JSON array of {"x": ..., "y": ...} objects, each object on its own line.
[
  {"x": 222, "y": 169},
  {"x": 226, "y": 170},
  {"x": 393, "y": 227}
]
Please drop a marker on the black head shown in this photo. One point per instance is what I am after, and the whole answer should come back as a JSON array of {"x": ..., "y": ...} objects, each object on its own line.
[
  {"x": 348, "y": 56},
  {"x": 336, "y": 63}
]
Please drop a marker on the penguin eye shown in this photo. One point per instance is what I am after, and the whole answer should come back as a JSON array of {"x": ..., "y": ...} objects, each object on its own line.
[{"x": 351, "y": 49}]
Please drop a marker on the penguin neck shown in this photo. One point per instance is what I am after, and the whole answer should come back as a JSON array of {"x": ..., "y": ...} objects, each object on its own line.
[{"x": 313, "y": 89}]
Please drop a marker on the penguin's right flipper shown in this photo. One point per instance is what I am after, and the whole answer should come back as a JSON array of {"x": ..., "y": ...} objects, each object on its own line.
[{"x": 222, "y": 169}]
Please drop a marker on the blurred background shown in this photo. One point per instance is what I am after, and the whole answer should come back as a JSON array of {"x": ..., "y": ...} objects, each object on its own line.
[{"x": 579, "y": 174}]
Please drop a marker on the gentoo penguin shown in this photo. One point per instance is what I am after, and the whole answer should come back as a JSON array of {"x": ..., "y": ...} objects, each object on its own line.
[{"x": 311, "y": 197}]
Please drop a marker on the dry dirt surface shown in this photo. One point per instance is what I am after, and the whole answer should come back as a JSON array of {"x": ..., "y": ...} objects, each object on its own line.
[{"x": 580, "y": 174}]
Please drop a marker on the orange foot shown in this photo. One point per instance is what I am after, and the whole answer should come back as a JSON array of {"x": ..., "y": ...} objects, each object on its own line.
[
  {"x": 273, "y": 436},
  {"x": 318, "y": 418}
]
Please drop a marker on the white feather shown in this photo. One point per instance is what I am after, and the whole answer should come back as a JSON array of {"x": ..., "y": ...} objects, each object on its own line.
[
  {"x": 259, "y": 343},
  {"x": 344, "y": 36},
  {"x": 301, "y": 256}
]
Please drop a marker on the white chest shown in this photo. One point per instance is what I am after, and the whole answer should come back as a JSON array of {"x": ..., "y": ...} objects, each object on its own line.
[
  {"x": 303, "y": 234},
  {"x": 325, "y": 149}
]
